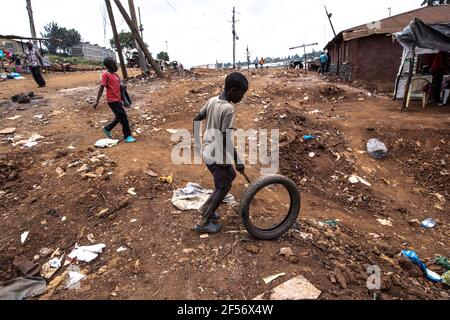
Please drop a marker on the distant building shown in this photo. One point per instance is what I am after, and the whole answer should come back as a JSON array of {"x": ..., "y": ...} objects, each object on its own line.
[
  {"x": 369, "y": 53},
  {"x": 92, "y": 52},
  {"x": 12, "y": 45}
]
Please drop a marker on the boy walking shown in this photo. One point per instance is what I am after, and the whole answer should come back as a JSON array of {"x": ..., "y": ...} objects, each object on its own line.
[
  {"x": 218, "y": 149},
  {"x": 112, "y": 83}
]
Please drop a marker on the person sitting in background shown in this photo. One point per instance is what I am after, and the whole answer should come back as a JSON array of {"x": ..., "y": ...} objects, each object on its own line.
[{"x": 438, "y": 70}]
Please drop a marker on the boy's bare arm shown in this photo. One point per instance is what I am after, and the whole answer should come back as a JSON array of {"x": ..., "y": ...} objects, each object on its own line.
[{"x": 99, "y": 96}]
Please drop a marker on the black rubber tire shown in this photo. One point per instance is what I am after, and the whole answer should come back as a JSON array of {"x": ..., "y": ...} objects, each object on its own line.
[{"x": 291, "y": 218}]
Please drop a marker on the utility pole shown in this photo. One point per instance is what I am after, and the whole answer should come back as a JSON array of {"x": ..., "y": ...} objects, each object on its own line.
[
  {"x": 31, "y": 18},
  {"x": 142, "y": 62},
  {"x": 141, "y": 27},
  {"x": 234, "y": 38},
  {"x": 138, "y": 38},
  {"x": 329, "y": 15},
  {"x": 390, "y": 11},
  {"x": 248, "y": 58},
  {"x": 116, "y": 39}
]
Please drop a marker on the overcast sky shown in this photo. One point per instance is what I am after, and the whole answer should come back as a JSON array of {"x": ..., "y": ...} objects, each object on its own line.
[{"x": 199, "y": 31}]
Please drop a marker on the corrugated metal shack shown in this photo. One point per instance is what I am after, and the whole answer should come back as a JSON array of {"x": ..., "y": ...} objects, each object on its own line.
[{"x": 368, "y": 52}]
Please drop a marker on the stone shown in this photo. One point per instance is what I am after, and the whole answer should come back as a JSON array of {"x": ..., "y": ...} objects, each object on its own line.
[
  {"x": 286, "y": 252},
  {"x": 100, "y": 171},
  {"x": 340, "y": 278},
  {"x": 252, "y": 248}
]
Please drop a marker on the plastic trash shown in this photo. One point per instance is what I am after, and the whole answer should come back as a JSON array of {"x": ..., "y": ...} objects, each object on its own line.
[
  {"x": 86, "y": 254},
  {"x": 308, "y": 137},
  {"x": 430, "y": 275},
  {"x": 24, "y": 236},
  {"x": 429, "y": 223},
  {"x": 268, "y": 280},
  {"x": 376, "y": 149},
  {"x": 194, "y": 196},
  {"x": 357, "y": 179},
  {"x": 331, "y": 223},
  {"x": 74, "y": 279},
  {"x": 106, "y": 143},
  {"x": 442, "y": 261},
  {"x": 446, "y": 278}
]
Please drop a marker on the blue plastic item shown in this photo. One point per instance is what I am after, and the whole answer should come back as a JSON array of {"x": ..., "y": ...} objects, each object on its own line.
[
  {"x": 430, "y": 275},
  {"x": 308, "y": 137}
]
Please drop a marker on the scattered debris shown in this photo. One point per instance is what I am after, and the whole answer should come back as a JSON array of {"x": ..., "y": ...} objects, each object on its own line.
[
  {"x": 26, "y": 267},
  {"x": 86, "y": 254},
  {"x": 8, "y": 130},
  {"x": 168, "y": 179},
  {"x": 357, "y": 179},
  {"x": 132, "y": 192},
  {"x": 286, "y": 252},
  {"x": 50, "y": 267},
  {"x": 151, "y": 173},
  {"x": 308, "y": 137},
  {"x": 274, "y": 277},
  {"x": 442, "y": 261},
  {"x": 252, "y": 248},
  {"x": 440, "y": 197},
  {"x": 430, "y": 275},
  {"x": 446, "y": 278},
  {"x": 14, "y": 118},
  {"x": 30, "y": 142},
  {"x": 331, "y": 223},
  {"x": 24, "y": 236},
  {"x": 121, "y": 249},
  {"x": 385, "y": 222},
  {"x": 172, "y": 131},
  {"x": 376, "y": 149},
  {"x": 106, "y": 143},
  {"x": 74, "y": 279},
  {"x": 193, "y": 196},
  {"x": 297, "y": 288},
  {"x": 429, "y": 223},
  {"x": 22, "y": 288}
]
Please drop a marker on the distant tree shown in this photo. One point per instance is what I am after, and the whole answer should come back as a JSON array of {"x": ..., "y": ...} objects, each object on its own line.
[
  {"x": 60, "y": 39},
  {"x": 435, "y": 2},
  {"x": 126, "y": 40},
  {"x": 163, "y": 56}
]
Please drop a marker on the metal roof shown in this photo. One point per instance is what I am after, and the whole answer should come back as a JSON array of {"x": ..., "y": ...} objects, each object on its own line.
[
  {"x": 429, "y": 14},
  {"x": 12, "y": 37}
]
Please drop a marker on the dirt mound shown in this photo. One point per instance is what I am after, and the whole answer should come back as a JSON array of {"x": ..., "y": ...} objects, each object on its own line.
[{"x": 331, "y": 91}]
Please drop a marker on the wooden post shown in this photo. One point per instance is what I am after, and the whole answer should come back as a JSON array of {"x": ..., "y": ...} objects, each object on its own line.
[
  {"x": 116, "y": 39},
  {"x": 142, "y": 62},
  {"x": 410, "y": 74},
  {"x": 30, "y": 16},
  {"x": 234, "y": 38},
  {"x": 138, "y": 38}
]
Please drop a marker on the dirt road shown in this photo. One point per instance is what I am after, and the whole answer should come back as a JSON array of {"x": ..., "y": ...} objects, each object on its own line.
[{"x": 45, "y": 190}]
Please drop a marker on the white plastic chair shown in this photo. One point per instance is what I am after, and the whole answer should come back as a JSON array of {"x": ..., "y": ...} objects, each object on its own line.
[
  {"x": 446, "y": 95},
  {"x": 416, "y": 90}
]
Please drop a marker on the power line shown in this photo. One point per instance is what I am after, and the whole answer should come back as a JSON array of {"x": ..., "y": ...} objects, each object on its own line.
[
  {"x": 175, "y": 9},
  {"x": 187, "y": 21}
]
